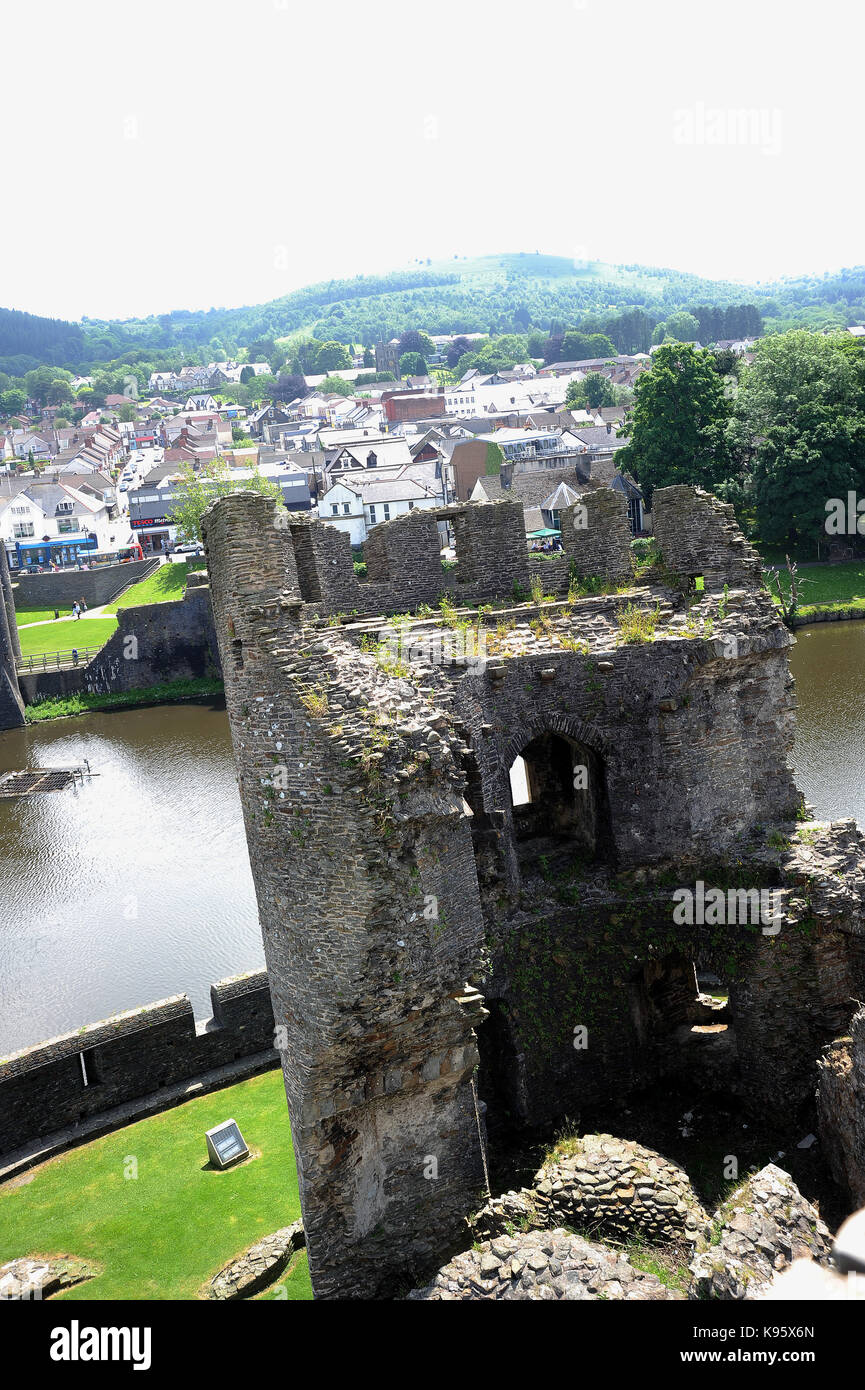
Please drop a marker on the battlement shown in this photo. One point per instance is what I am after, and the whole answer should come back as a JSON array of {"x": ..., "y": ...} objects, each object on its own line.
[{"x": 310, "y": 563}]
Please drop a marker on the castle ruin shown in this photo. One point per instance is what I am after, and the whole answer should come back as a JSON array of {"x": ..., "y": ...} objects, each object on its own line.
[{"x": 471, "y": 794}]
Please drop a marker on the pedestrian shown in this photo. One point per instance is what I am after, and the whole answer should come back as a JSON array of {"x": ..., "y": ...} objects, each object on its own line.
[
  {"x": 83, "y": 606},
  {"x": 75, "y": 610}
]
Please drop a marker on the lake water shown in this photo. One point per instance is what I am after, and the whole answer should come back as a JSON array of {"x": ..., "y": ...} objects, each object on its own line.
[
  {"x": 137, "y": 885},
  {"x": 128, "y": 889}
]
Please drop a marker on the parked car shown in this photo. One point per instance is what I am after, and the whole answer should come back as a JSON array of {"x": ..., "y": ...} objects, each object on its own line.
[{"x": 192, "y": 551}]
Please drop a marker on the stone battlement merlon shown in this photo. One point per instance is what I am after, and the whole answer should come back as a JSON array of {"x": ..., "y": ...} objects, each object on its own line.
[{"x": 284, "y": 560}]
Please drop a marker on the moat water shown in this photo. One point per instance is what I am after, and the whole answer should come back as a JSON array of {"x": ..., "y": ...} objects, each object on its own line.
[
  {"x": 137, "y": 885},
  {"x": 128, "y": 889}
]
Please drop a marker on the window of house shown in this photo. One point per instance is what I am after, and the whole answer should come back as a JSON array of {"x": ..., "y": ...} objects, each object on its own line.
[
  {"x": 372, "y": 513},
  {"x": 66, "y": 524},
  {"x": 371, "y": 459},
  {"x": 346, "y": 507},
  {"x": 387, "y": 511},
  {"x": 64, "y": 507},
  {"x": 21, "y": 511},
  {"x": 334, "y": 508},
  {"x": 411, "y": 506},
  {"x": 22, "y": 529}
]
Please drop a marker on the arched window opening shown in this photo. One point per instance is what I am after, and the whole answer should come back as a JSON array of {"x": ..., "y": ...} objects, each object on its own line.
[{"x": 559, "y": 799}]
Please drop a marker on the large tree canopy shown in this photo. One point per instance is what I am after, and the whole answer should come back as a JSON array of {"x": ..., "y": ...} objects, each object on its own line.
[
  {"x": 678, "y": 422},
  {"x": 800, "y": 422}
]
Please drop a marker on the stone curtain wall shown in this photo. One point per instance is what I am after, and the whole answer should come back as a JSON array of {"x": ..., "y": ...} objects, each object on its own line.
[
  {"x": 95, "y": 587},
  {"x": 698, "y": 535},
  {"x": 158, "y": 642},
  {"x": 11, "y": 704},
  {"x": 129, "y": 1056},
  {"x": 363, "y": 829}
]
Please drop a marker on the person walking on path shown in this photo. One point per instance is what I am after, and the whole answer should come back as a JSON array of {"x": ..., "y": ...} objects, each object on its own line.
[{"x": 75, "y": 612}]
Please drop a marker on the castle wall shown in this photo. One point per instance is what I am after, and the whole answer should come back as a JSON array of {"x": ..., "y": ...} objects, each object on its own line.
[
  {"x": 129, "y": 1056},
  {"x": 95, "y": 587}
]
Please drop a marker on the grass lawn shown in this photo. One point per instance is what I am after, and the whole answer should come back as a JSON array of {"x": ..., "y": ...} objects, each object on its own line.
[
  {"x": 165, "y": 584},
  {"x": 829, "y": 586},
  {"x": 63, "y": 636},
  {"x": 38, "y": 615},
  {"x": 166, "y": 1232}
]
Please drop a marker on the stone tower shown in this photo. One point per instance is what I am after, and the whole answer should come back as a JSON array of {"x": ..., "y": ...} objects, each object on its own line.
[{"x": 452, "y": 787}]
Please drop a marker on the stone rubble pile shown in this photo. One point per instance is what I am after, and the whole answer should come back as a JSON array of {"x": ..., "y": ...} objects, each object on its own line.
[
  {"x": 543, "y": 1266},
  {"x": 756, "y": 1233}
]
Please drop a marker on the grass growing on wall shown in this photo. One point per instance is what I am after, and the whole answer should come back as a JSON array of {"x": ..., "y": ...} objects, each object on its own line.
[
  {"x": 166, "y": 1232},
  {"x": 165, "y": 585},
  {"x": 64, "y": 706},
  {"x": 62, "y": 636}
]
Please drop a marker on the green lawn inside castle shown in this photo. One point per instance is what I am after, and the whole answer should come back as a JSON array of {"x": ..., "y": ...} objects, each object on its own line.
[{"x": 143, "y": 1208}]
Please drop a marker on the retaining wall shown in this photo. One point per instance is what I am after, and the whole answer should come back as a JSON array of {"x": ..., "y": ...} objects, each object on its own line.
[
  {"x": 94, "y": 586},
  {"x": 42, "y": 1088}
]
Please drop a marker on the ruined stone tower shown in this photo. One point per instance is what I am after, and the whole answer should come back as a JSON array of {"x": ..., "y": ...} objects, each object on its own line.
[
  {"x": 11, "y": 704},
  {"x": 468, "y": 809}
]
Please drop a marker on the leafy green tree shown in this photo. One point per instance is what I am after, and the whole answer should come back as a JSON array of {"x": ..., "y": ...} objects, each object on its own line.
[
  {"x": 368, "y": 357},
  {"x": 682, "y": 327},
  {"x": 246, "y": 375},
  {"x": 336, "y": 385},
  {"x": 13, "y": 401},
  {"x": 578, "y": 347},
  {"x": 331, "y": 356},
  {"x": 196, "y": 490},
  {"x": 48, "y": 386},
  {"x": 415, "y": 341},
  {"x": 412, "y": 364},
  {"x": 678, "y": 422},
  {"x": 594, "y": 391},
  {"x": 800, "y": 423},
  {"x": 456, "y": 350},
  {"x": 127, "y": 413}
]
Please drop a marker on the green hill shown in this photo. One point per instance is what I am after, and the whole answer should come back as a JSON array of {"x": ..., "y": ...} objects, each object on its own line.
[{"x": 503, "y": 293}]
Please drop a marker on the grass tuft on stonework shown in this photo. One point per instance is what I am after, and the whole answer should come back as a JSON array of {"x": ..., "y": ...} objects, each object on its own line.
[{"x": 165, "y": 1232}]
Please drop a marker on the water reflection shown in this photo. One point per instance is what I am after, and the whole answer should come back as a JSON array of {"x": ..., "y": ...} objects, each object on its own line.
[
  {"x": 132, "y": 888},
  {"x": 828, "y": 663}
]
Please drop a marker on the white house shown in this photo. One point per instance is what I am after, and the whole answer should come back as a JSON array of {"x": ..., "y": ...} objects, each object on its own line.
[{"x": 358, "y": 502}]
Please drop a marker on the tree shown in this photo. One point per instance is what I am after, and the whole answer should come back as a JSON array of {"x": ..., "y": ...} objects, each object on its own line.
[
  {"x": 336, "y": 385},
  {"x": 290, "y": 386},
  {"x": 800, "y": 422},
  {"x": 579, "y": 347},
  {"x": 594, "y": 391},
  {"x": 678, "y": 422},
  {"x": 331, "y": 356},
  {"x": 368, "y": 357},
  {"x": 415, "y": 341},
  {"x": 48, "y": 386},
  {"x": 246, "y": 375},
  {"x": 681, "y": 327},
  {"x": 13, "y": 401},
  {"x": 127, "y": 413},
  {"x": 412, "y": 364},
  {"x": 456, "y": 350},
  {"x": 195, "y": 492}
]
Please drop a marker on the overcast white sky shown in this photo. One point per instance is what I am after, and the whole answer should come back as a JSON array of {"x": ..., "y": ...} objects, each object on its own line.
[{"x": 189, "y": 153}]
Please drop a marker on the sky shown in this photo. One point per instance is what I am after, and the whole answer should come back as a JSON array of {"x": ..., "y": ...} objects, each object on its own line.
[{"x": 198, "y": 153}]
